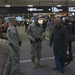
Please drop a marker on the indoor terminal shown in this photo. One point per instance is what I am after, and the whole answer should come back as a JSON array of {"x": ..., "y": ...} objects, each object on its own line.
[{"x": 37, "y": 37}]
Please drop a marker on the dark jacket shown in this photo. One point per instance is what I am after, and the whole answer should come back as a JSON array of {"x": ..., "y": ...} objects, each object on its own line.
[
  {"x": 73, "y": 23},
  {"x": 59, "y": 38},
  {"x": 69, "y": 27}
]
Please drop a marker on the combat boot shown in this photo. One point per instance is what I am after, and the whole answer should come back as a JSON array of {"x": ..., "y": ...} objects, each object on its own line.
[
  {"x": 18, "y": 73},
  {"x": 33, "y": 65},
  {"x": 40, "y": 64}
]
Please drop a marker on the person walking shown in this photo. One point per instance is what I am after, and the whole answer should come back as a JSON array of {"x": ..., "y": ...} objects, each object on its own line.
[{"x": 58, "y": 39}]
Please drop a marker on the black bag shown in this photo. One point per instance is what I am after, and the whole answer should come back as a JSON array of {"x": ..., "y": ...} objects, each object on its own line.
[
  {"x": 20, "y": 42},
  {"x": 65, "y": 57},
  {"x": 72, "y": 38}
]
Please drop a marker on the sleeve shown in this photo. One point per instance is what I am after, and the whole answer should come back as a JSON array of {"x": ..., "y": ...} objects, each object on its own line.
[
  {"x": 51, "y": 40},
  {"x": 9, "y": 36},
  {"x": 19, "y": 38},
  {"x": 14, "y": 30},
  {"x": 29, "y": 33},
  {"x": 28, "y": 30},
  {"x": 42, "y": 33}
]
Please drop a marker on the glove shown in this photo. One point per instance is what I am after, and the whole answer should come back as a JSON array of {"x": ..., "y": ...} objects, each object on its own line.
[
  {"x": 20, "y": 42},
  {"x": 13, "y": 48},
  {"x": 38, "y": 39},
  {"x": 11, "y": 44}
]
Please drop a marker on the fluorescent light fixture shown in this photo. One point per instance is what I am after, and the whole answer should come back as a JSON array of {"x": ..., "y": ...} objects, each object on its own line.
[
  {"x": 30, "y": 5},
  {"x": 59, "y": 5},
  {"x": 49, "y": 9},
  {"x": 7, "y": 5}
]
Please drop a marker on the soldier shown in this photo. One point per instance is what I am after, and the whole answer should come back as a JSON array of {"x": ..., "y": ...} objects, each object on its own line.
[
  {"x": 14, "y": 45},
  {"x": 35, "y": 34}
]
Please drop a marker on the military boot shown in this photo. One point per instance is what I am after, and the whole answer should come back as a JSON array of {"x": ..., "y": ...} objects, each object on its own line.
[
  {"x": 40, "y": 64},
  {"x": 18, "y": 72},
  {"x": 33, "y": 65}
]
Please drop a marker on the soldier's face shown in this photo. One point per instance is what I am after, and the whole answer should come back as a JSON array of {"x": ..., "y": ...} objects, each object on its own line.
[{"x": 36, "y": 20}]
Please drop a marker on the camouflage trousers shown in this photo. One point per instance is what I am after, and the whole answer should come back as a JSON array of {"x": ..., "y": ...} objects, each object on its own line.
[
  {"x": 15, "y": 61},
  {"x": 36, "y": 51}
]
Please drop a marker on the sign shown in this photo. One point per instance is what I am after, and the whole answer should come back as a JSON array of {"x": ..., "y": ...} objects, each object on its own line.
[
  {"x": 34, "y": 9},
  {"x": 59, "y": 9},
  {"x": 71, "y": 9},
  {"x": 40, "y": 9}
]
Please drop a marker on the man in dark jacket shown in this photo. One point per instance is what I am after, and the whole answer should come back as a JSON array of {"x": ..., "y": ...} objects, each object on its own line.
[
  {"x": 69, "y": 27},
  {"x": 73, "y": 23},
  {"x": 59, "y": 40}
]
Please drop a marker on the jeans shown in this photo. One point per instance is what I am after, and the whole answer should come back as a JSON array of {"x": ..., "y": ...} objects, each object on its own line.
[{"x": 57, "y": 60}]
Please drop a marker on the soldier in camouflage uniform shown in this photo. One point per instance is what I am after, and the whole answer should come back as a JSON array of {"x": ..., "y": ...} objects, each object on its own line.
[
  {"x": 14, "y": 45},
  {"x": 35, "y": 34}
]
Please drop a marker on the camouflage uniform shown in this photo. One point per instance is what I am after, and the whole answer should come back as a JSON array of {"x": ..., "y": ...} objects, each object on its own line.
[
  {"x": 34, "y": 32},
  {"x": 13, "y": 39}
]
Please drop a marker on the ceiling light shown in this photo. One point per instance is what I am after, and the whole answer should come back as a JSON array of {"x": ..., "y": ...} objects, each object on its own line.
[
  {"x": 7, "y": 5},
  {"x": 49, "y": 9},
  {"x": 59, "y": 5},
  {"x": 30, "y": 5}
]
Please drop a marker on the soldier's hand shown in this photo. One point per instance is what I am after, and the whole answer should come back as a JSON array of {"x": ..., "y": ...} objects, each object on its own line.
[{"x": 10, "y": 44}]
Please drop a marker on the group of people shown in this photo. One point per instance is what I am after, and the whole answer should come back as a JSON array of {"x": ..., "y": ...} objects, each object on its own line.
[
  {"x": 5, "y": 25},
  {"x": 35, "y": 33}
]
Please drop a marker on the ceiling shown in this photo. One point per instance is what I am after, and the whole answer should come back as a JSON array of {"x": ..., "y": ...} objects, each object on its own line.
[{"x": 37, "y": 2}]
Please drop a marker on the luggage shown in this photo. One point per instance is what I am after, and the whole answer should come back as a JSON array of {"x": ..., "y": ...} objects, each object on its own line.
[
  {"x": 72, "y": 38},
  {"x": 66, "y": 57}
]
